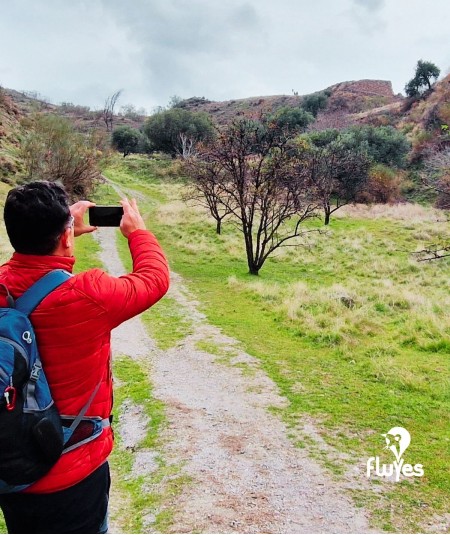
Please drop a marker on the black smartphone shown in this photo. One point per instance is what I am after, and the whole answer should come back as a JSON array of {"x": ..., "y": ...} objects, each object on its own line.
[{"x": 105, "y": 216}]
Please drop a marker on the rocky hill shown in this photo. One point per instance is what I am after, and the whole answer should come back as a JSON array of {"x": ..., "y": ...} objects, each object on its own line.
[
  {"x": 360, "y": 102},
  {"x": 344, "y": 99},
  {"x": 350, "y": 99}
]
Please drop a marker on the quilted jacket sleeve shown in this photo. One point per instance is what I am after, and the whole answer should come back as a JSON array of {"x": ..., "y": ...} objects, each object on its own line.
[{"x": 126, "y": 296}]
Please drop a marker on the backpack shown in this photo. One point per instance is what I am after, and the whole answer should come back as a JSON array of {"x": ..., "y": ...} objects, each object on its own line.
[{"x": 33, "y": 435}]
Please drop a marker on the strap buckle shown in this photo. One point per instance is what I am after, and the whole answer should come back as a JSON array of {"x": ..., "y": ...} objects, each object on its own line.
[{"x": 35, "y": 372}]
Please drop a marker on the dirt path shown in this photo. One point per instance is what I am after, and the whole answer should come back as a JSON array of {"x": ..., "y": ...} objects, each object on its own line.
[{"x": 246, "y": 474}]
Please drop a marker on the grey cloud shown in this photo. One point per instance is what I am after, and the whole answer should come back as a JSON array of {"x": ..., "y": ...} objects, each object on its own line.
[
  {"x": 370, "y": 5},
  {"x": 244, "y": 16},
  {"x": 178, "y": 39},
  {"x": 183, "y": 26},
  {"x": 368, "y": 14},
  {"x": 83, "y": 51}
]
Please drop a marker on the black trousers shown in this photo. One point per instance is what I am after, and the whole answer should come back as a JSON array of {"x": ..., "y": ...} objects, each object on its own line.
[{"x": 79, "y": 509}]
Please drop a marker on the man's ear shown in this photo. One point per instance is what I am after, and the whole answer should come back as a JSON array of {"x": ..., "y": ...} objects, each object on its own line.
[{"x": 66, "y": 238}]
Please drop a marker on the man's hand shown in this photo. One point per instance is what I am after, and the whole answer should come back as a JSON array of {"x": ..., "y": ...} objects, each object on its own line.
[
  {"x": 78, "y": 210},
  {"x": 131, "y": 219}
]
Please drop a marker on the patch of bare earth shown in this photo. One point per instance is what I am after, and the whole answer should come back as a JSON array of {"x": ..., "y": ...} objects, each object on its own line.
[{"x": 246, "y": 474}]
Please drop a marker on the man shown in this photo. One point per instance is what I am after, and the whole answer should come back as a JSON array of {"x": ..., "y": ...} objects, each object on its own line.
[{"x": 73, "y": 326}]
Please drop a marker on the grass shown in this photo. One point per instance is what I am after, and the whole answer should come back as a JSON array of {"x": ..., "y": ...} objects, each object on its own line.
[
  {"x": 167, "y": 323},
  {"x": 213, "y": 348},
  {"x": 147, "y": 496},
  {"x": 86, "y": 253},
  {"x": 165, "y": 482},
  {"x": 356, "y": 334}
]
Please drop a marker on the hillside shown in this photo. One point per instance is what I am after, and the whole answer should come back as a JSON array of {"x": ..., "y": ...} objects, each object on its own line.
[
  {"x": 352, "y": 103},
  {"x": 351, "y": 349},
  {"x": 347, "y": 103},
  {"x": 83, "y": 117},
  {"x": 344, "y": 100},
  {"x": 10, "y": 129},
  {"x": 17, "y": 107}
]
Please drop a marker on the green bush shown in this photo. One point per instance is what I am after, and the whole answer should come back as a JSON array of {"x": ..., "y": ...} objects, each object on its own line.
[
  {"x": 166, "y": 128},
  {"x": 315, "y": 102},
  {"x": 125, "y": 139}
]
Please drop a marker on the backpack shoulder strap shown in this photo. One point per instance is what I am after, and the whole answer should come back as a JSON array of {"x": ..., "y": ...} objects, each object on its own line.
[{"x": 40, "y": 289}]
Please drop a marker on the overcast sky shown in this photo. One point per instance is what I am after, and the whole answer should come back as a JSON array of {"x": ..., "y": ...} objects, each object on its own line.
[{"x": 82, "y": 51}]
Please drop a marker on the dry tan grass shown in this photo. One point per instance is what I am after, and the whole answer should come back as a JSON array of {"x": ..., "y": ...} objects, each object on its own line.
[
  {"x": 176, "y": 212},
  {"x": 347, "y": 310},
  {"x": 350, "y": 308},
  {"x": 233, "y": 245},
  {"x": 413, "y": 213}
]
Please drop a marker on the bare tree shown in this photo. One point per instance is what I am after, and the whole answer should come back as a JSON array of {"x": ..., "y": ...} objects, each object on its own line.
[
  {"x": 336, "y": 173},
  {"x": 436, "y": 176},
  {"x": 251, "y": 166},
  {"x": 108, "y": 109},
  {"x": 206, "y": 189},
  {"x": 187, "y": 145},
  {"x": 433, "y": 252}
]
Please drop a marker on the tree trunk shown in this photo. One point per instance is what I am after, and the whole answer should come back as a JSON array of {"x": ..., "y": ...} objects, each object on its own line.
[
  {"x": 327, "y": 217},
  {"x": 218, "y": 226},
  {"x": 253, "y": 269}
]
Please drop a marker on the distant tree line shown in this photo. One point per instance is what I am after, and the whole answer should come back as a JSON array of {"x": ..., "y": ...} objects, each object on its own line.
[{"x": 176, "y": 130}]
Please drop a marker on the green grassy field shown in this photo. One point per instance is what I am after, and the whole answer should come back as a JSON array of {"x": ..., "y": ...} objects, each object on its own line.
[{"x": 354, "y": 331}]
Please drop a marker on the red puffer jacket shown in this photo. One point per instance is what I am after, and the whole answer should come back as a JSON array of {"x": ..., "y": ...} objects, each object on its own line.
[{"x": 73, "y": 329}]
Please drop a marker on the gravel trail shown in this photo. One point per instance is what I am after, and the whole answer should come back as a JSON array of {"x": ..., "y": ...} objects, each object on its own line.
[{"x": 247, "y": 477}]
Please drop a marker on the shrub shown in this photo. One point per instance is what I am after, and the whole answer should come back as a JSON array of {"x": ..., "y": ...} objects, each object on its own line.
[
  {"x": 383, "y": 186},
  {"x": 167, "y": 129},
  {"x": 53, "y": 150},
  {"x": 315, "y": 102},
  {"x": 291, "y": 119},
  {"x": 125, "y": 139},
  {"x": 422, "y": 143},
  {"x": 385, "y": 144}
]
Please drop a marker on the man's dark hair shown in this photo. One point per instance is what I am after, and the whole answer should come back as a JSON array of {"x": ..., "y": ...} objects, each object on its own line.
[{"x": 35, "y": 217}]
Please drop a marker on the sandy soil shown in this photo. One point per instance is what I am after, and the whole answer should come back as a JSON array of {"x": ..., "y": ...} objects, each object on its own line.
[{"x": 246, "y": 474}]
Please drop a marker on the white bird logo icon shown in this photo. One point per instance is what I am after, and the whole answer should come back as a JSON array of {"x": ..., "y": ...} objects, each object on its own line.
[{"x": 400, "y": 438}]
